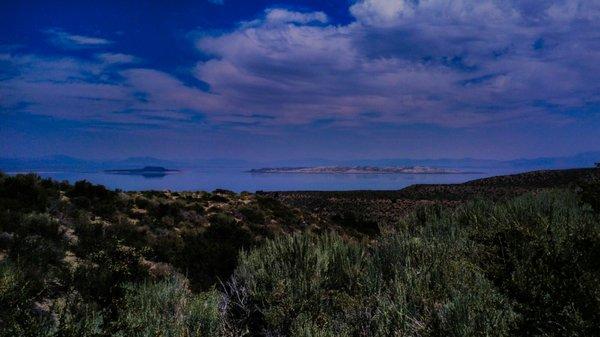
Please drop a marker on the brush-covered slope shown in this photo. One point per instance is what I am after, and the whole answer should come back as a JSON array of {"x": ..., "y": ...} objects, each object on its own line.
[{"x": 81, "y": 260}]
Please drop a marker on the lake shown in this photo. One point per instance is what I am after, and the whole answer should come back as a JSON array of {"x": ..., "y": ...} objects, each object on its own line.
[{"x": 237, "y": 180}]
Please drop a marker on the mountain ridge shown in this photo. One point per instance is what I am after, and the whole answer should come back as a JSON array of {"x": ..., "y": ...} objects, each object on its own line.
[{"x": 65, "y": 162}]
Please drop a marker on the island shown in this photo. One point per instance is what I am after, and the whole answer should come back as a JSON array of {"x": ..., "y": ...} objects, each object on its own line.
[
  {"x": 147, "y": 171},
  {"x": 360, "y": 170}
]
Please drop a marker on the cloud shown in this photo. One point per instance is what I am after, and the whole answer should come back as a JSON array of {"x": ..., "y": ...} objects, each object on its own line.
[
  {"x": 380, "y": 12},
  {"x": 443, "y": 63},
  {"x": 279, "y": 15},
  {"x": 92, "y": 90},
  {"x": 117, "y": 58},
  {"x": 450, "y": 63},
  {"x": 74, "y": 41}
]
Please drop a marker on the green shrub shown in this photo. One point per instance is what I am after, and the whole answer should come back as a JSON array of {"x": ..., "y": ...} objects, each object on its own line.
[
  {"x": 222, "y": 219},
  {"x": 278, "y": 209},
  {"x": 26, "y": 192},
  {"x": 527, "y": 266},
  {"x": 75, "y": 318},
  {"x": 100, "y": 276},
  {"x": 218, "y": 198},
  {"x": 168, "y": 309},
  {"x": 17, "y": 297},
  {"x": 96, "y": 198},
  {"x": 543, "y": 252},
  {"x": 38, "y": 242},
  {"x": 353, "y": 220},
  {"x": 299, "y": 285},
  {"x": 590, "y": 194},
  {"x": 253, "y": 215},
  {"x": 211, "y": 255}
]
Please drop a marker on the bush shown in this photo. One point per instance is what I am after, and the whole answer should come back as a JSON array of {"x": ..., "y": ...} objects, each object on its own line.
[
  {"x": 210, "y": 256},
  {"x": 300, "y": 285},
  {"x": 16, "y": 299},
  {"x": 253, "y": 215},
  {"x": 543, "y": 252},
  {"x": 100, "y": 276},
  {"x": 590, "y": 194},
  {"x": 168, "y": 308},
  {"x": 97, "y": 198},
  {"x": 76, "y": 318},
  {"x": 279, "y": 210},
  {"x": 354, "y": 220},
  {"x": 528, "y": 266},
  {"x": 26, "y": 193}
]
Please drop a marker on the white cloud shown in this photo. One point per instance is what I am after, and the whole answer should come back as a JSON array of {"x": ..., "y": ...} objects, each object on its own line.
[
  {"x": 117, "y": 58},
  {"x": 451, "y": 63},
  {"x": 279, "y": 15},
  {"x": 380, "y": 11},
  {"x": 438, "y": 62},
  {"x": 74, "y": 41}
]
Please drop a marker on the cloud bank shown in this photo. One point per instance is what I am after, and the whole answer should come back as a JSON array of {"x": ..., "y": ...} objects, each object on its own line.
[{"x": 444, "y": 63}]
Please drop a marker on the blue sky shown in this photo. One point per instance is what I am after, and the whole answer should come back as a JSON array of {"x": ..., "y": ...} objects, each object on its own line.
[{"x": 299, "y": 79}]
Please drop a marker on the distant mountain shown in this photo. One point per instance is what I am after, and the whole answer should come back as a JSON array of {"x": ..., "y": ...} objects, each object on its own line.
[
  {"x": 585, "y": 159},
  {"x": 67, "y": 163},
  {"x": 58, "y": 162}
]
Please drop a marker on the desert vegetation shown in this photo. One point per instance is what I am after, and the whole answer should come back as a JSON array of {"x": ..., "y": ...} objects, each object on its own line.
[{"x": 81, "y": 260}]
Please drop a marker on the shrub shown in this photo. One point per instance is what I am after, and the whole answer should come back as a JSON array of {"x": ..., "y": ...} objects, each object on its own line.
[
  {"x": 26, "y": 193},
  {"x": 543, "y": 252},
  {"x": 97, "y": 198},
  {"x": 100, "y": 276},
  {"x": 279, "y": 210},
  {"x": 75, "y": 318},
  {"x": 17, "y": 297},
  {"x": 210, "y": 256},
  {"x": 218, "y": 198},
  {"x": 590, "y": 194},
  {"x": 168, "y": 308},
  {"x": 353, "y": 220},
  {"x": 253, "y": 215},
  {"x": 300, "y": 285}
]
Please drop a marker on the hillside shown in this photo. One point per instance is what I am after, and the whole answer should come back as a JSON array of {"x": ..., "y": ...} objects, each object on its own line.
[
  {"x": 388, "y": 207},
  {"x": 82, "y": 260}
]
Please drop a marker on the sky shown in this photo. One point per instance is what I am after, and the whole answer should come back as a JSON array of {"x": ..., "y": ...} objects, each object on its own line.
[{"x": 283, "y": 80}]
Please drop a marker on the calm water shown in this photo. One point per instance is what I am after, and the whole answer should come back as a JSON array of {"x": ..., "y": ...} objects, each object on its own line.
[{"x": 236, "y": 179}]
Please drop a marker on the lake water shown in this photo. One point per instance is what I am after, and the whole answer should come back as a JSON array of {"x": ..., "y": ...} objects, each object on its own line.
[{"x": 236, "y": 179}]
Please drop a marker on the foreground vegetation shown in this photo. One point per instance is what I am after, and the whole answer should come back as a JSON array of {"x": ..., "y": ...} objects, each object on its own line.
[{"x": 80, "y": 260}]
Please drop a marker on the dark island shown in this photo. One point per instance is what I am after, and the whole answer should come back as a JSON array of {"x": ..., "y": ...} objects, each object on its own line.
[{"x": 147, "y": 171}]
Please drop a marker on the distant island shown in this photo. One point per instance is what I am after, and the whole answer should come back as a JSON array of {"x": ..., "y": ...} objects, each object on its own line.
[
  {"x": 147, "y": 171},
  {"x": 359, "y": 170}
]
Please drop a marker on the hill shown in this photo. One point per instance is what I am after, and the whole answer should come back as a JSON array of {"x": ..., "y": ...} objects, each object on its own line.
[
  {"x": 388, "y": 207},
  {"x": 512, "y": 255}
]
